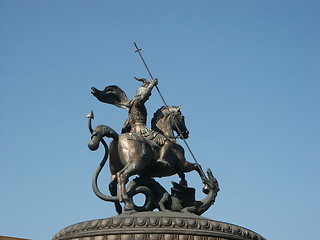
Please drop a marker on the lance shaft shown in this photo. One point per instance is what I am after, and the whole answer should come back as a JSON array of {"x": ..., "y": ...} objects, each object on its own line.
[
  {"x": 184, "y": 140},
  {"x": 145, "y": 64}
]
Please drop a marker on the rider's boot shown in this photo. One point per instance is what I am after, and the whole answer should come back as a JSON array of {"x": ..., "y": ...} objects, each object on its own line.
[
  {"x": 163, "y": 152},
  {"x": 164, "y": 162}
]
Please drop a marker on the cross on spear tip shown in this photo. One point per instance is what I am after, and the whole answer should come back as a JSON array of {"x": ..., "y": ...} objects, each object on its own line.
[{"x": 138, "y": 50}]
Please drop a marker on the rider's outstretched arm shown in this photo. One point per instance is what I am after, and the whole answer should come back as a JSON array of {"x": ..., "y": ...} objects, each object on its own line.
[{"x": 146, "y": 94}]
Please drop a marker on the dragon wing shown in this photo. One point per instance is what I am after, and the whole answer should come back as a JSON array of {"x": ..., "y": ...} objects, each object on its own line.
[{"x": 112, "y": 95}]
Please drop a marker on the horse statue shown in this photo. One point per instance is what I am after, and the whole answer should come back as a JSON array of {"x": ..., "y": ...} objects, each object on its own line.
[{"x": 132, "y": 154}]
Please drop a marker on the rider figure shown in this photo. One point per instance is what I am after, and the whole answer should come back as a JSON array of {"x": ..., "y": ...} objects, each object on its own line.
[{"x": 137, "y": 119}]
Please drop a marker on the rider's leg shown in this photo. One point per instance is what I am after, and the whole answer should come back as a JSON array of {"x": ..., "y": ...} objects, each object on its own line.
[{"x": 163, "y": 153}]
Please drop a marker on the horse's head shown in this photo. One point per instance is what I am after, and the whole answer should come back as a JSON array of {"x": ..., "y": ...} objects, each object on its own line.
[
  {"x": 179, "y": 125},
  {"x": 169, "y": 119}
]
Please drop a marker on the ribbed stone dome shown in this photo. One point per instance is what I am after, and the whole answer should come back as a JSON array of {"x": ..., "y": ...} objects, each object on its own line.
[{"x": 155, "y": 226}]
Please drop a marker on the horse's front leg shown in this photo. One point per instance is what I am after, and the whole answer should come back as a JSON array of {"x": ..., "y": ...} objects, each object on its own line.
[
  {"x": 183, "y": 180},
  {"x": 188, "y": 167},
  {"x": 205, "y": 180}
]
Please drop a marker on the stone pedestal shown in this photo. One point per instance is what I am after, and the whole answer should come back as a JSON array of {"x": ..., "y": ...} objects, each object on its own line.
[{"x": 155, "y": 226}]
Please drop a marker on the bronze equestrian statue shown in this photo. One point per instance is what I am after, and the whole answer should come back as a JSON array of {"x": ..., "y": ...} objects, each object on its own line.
[{"x": 139, "y": 150}]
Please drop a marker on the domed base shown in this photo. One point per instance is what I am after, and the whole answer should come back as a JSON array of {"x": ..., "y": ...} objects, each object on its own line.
[{"x": 155, "y": 226}]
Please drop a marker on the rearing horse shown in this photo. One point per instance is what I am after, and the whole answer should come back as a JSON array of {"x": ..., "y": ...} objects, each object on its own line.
[{"x": 132, "y": 154}]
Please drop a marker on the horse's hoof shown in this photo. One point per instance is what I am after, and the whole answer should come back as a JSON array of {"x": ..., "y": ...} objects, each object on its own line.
[
  {"x": 165, "y": 210},
  {"x": 130, "y": 211},
  {"x": 119, "y": 209},
  {"x": 128, "y": 207},
  {"x": 183, "y": 183}
]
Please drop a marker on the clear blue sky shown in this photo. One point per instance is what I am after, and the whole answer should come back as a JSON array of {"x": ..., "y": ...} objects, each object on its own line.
[{"x": 246, "y": 72}]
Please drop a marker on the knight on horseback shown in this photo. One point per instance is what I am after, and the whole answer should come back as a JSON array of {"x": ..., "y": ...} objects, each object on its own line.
[
  {"x": 136, "y": 121},
  {"x": 146, "y": 152}
]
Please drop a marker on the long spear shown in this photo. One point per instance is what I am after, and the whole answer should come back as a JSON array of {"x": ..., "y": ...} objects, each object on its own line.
[{"x": 138, "y": 50}]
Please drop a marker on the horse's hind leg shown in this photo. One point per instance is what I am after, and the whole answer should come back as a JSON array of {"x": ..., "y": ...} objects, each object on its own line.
[
  {"x": 113, "y": 191},
  {"x": 123, "y": 177},
  {"x": 121, "y": 184}
]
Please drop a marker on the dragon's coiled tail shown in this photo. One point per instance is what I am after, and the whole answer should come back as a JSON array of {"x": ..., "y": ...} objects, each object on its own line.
[
  {"x": 95, "y": 176},
  {"x": 97, "y": 136}
]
